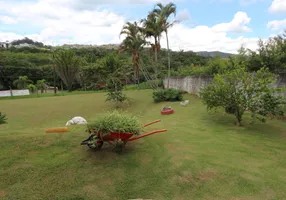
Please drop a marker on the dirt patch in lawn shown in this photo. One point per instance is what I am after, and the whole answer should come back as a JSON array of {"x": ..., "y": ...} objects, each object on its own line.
[
  {"x": 189, "y": 177},
  {"x": 3, "y": 193}
]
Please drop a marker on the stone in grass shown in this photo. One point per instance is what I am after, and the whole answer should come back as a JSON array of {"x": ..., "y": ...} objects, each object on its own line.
[{"x": 76, "y": 120}]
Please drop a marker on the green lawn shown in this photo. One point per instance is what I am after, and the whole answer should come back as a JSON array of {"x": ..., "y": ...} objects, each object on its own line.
[{"x": 202, "y": 156}]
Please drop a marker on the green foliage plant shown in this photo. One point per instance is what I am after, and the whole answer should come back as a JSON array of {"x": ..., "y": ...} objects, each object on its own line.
[
  {"x": 115, "y": 121},
  {"x": 167, "y": 95},
  {"x": 239, "y": 91},
  {"x": 3, "y": 118}
]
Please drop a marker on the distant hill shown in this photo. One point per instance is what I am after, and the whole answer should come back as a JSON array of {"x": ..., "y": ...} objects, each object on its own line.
[{"x": 214, "y": 53}]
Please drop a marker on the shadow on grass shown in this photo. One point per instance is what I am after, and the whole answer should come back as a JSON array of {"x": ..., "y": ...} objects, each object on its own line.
[
  {"x": 222, "y": 120},
  {"x": 106, "y": 153}
]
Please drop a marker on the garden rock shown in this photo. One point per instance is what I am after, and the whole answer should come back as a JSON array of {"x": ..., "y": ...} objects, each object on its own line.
[{"x": 76, "y": 120}]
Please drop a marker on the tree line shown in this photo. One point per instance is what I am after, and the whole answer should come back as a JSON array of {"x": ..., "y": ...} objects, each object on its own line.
[{"x": 140, "y": 53}]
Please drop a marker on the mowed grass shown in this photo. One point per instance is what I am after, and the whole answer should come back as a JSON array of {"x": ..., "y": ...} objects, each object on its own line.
[{"x": 202, "y": 156}]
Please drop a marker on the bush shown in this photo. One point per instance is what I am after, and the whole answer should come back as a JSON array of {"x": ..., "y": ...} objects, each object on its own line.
[
  {"x": 3, "y": 118},
  {"x": 239, "y": 91},
  {"x": 116, "y": 122},
  {"x": 114, "y": 88},
  {"x": 167, "y": 95}
]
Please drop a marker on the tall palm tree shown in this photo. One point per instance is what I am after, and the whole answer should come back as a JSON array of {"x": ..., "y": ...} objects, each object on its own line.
[
  {"x": 133, "y": 43},
  {"x": 163, "y": 13},
  {"x": 67, "y": 66},
  {"x": 22, "y": 82},
  {"x": 152, "y": 28}
]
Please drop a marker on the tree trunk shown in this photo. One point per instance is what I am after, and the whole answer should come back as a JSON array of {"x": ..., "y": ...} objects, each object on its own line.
[
  {"x": 55, "y": 90},
  {"x": 238, "y": 116},
  {"x": 169, "y": 60},
  {"x": 156, "y": 60}
]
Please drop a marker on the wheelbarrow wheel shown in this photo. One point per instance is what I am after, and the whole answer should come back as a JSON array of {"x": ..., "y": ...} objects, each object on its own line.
[
  {"x": 94, "y": 142},
  {"x": 97, "y": 145},
  {"x": 120, "y": 145}
]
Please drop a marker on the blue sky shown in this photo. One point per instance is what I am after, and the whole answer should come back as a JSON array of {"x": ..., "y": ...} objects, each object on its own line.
[{"x": 205, "y": 24}]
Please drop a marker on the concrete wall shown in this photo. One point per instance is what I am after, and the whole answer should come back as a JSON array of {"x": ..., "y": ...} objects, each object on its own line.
[
  {"x": 281, "y": 82},
  {"x": 190, "y": 84},
  {"x": 7, "y": 93},
  {"x": 193, "y": 84}
]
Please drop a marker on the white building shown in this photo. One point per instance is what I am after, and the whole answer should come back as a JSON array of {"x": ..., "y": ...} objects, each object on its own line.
[{"x": 5, "y": 45}]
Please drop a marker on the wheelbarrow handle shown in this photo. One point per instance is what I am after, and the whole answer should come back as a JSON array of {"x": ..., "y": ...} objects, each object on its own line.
[
  {"x": 147, "y": 134},
  {"x": 150, "y": 123}
]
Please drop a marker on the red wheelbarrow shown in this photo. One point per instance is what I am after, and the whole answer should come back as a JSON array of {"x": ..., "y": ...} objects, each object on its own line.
[{"x": 96, "y": 139}]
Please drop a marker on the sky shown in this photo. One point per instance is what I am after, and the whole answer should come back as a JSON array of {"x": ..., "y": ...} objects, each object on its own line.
[{"x": 204, "y": 25}]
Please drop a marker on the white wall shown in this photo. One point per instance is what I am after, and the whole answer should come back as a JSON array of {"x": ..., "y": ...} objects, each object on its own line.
[
  {"x": 193, "y": 84},
  {"x": 190, "y": 84},
  {"x": 7, "y": 93}
]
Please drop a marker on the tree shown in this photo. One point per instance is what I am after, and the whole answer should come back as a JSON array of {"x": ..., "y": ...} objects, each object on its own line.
[
  {"x": 67, "y": 66},
  {"x": 133, "y": 43},
  {"x": 116, "y": 70},
  {"x": 163, "y": 13},
  {"x": 152, "y": 28},
  {"x": 238, "y": 91},
  {"x": 22, "y": 82},
  {"x": 32, "y": 88},
  {"x": 42, "y": 85}
]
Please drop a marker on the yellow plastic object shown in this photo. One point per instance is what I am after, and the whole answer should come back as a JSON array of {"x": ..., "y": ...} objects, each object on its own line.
[{"x": 57, "y": 130}]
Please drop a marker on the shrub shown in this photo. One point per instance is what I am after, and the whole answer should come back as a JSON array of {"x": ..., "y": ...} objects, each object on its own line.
[
  {"x": 167, "y": 95},
  {"x": 3, "y": 118},
  {"x": 239, "y": 91},
  {"x": 114, "y": 88},
  {"x": 116, "y": 122}
]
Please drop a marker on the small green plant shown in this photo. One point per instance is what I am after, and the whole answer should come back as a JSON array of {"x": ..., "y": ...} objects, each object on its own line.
[
  {"x": 116, "y": 122},
  {"x": 32, "y": 88},
  {"x": 114, "y": 88},
  {"x": 42, "y": 85},
  {"x": 3, "y": 118},
  {"x": 167, "y": 95},
  {"x": 22, "y": 82}
]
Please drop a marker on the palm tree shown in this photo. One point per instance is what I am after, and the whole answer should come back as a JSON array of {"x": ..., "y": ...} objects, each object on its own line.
[
  {"x": 67, "y": 66},
  {"x": 152, "y": 28},
  {"x": 133, "y": 43},
  {"x": 22, "y": 82},
  {"x": 42, "y": 85},
  {"x": 163, "y": 13}
]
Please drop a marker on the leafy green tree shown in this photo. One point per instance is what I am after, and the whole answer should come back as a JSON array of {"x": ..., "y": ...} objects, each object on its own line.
[
  {"x": 163, "y": 13},
  {"x": 42, "y": 85},
  {"x": 116, "y": 69},
  {"x": 67, "y": 66},
  {"x": 22, "y": 82},
  {"x": 133, "y": 43},
  {"x": 32, "y": 88},
  {"x": 238, "y": 91}
]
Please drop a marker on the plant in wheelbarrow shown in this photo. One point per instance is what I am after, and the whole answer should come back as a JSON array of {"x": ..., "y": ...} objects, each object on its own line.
[{"x": 117, "y": 129}]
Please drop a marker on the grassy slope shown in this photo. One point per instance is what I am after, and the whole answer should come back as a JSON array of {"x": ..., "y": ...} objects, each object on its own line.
[{"x": 202, "y": 156}]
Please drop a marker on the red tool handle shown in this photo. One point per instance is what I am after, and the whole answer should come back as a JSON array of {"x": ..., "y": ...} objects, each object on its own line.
[
  {"x": 150, "y": 123},
  {"x": 147, "y": 134}
]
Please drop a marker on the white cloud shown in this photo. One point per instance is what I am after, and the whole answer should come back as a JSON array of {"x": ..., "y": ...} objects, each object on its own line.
[
  {"x": 276, "y": 25},
  {"x": 204, "y": 38},
  {"x": 278, "y": 6},
  {"x": 59, "y": 24},
  {"x": 7, "y": 20},
  {"x": 237, "y": 25},
  {"x": 183, "y": 15}
]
